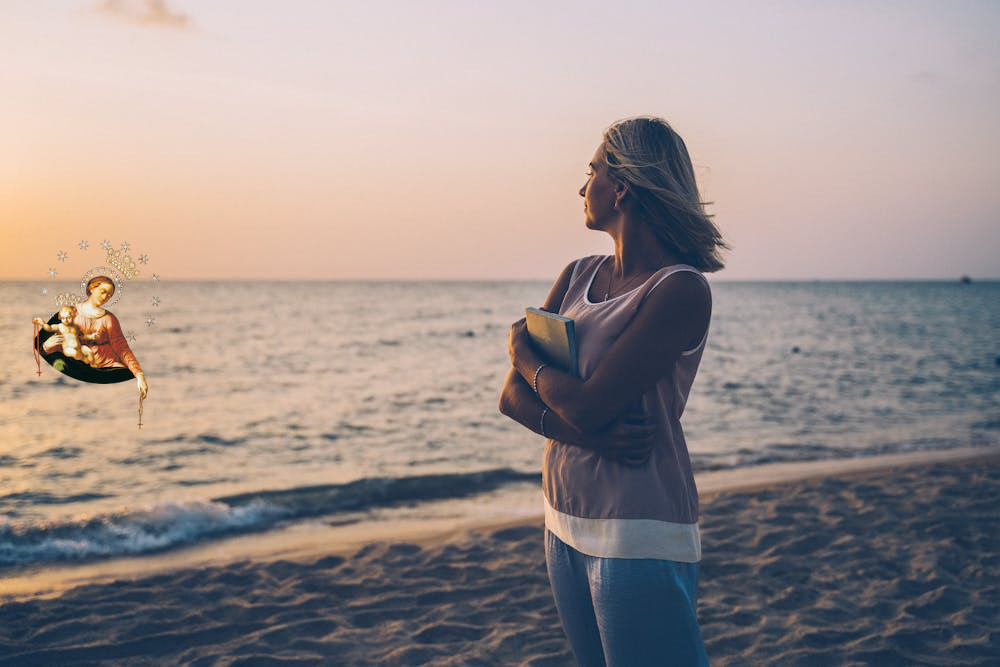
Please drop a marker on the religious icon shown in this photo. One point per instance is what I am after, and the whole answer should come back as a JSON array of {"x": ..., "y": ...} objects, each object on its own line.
[{"x": 84, "y": 340}]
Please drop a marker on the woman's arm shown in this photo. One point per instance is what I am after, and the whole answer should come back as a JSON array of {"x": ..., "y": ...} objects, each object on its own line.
[
  {"x": 553, "y": 302},
  {"x": 124, "y": 352},
  {"x": 673, "y": 318},
  {"x": 120, "y": 346},
  {"x": 629, "y": 440}
]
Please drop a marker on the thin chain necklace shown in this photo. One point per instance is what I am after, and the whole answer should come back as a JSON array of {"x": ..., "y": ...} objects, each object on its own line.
[{"x": 611, "y": 275}]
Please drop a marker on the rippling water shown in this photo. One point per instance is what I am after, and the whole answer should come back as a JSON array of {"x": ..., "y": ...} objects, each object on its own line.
[{"x": 351, "y": 395}]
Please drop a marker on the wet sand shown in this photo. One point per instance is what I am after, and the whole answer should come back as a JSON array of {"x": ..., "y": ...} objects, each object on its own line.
[{"x": 899, "y": 565}]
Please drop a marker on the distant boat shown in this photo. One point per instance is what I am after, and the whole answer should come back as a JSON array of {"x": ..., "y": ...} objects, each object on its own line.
[{"x": 965, "y": 280}]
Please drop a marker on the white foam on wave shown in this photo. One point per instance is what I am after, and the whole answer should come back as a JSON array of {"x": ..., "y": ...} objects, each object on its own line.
[{"x": 159, "y": 527}]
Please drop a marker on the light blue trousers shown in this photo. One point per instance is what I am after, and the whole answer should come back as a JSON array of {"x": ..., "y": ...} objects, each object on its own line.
[{"x": 624, "y": 612}]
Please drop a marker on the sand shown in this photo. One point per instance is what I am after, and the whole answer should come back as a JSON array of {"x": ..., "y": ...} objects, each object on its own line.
[{"x": 896, "y": 566}]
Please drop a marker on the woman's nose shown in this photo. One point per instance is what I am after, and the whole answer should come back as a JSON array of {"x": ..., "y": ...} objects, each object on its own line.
[{"x": 583, "y": 189}]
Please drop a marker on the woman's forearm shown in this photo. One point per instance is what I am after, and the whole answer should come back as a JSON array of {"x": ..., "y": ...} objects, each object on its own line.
[
  {"x": 563, "y": 392},
  {"x": 629, "y": 441},
  {"x": 519, "y": 402},
  {"x": 121, "y": 348}
]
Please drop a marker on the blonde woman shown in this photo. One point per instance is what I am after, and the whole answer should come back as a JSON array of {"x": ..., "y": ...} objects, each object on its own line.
[{"x": 621, "y": 507}]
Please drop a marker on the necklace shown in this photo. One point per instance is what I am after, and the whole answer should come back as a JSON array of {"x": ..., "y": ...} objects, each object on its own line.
[{"x": 611, "y": 275}]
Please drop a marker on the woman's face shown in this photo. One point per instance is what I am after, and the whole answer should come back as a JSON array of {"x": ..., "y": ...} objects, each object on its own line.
[
  {"x": 598, "y": 192},
  {"x": 100, "y": 294}
]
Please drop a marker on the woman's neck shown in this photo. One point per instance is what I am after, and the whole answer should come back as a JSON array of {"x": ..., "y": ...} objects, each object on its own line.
[
  {"x": 88, "y": 307},
  {"x": 637, "y": 250}
]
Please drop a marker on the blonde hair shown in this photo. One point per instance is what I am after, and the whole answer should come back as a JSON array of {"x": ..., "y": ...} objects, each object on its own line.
[
  {"x": 94, "y": 282},
  {"x": 71, "y": 309},
  {"x": 651, "y": 158}
]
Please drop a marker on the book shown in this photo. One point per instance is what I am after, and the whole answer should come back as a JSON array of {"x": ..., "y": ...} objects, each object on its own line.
[{"x": 555, "y": 338}]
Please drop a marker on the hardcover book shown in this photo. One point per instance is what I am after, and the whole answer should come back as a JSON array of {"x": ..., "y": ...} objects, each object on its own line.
[{"x": 555, "y": 338}]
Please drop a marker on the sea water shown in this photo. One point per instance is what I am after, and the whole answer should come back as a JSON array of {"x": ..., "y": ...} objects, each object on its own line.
[{"x": 276, "y": 402}]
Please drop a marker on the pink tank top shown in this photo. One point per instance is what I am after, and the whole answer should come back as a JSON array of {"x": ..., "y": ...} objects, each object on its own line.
[{"x": 605, "y": 508}]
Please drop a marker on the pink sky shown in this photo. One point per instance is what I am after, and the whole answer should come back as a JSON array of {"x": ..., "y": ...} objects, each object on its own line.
[{"x": 321, "y": 140}]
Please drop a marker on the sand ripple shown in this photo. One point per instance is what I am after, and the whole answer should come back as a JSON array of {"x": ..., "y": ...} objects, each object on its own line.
[{"x": 899, "y": 568}]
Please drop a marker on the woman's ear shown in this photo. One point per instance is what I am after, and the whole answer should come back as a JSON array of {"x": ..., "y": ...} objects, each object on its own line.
[{"x": 621, "y": 189}]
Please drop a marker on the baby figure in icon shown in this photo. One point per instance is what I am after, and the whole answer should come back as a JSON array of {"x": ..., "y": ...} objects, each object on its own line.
[{"x": 68, "y": 335}]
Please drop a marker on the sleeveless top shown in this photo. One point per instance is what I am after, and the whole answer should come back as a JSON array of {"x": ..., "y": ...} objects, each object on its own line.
[{"x": 595, "y": 504}]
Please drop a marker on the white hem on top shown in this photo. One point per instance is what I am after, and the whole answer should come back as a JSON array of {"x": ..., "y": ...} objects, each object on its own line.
[{"x": 626, "y": 538}]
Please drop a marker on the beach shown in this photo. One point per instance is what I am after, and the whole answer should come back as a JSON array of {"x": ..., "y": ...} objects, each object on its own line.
[{"x": 896, "y": 562}]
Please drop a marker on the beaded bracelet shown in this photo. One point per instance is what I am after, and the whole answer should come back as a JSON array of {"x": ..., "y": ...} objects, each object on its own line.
[
  {"x": 534, "y": 380},
  {"x": 541, "y": 421}
]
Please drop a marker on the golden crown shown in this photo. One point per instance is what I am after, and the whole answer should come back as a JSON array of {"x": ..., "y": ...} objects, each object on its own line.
[
  {"x": 122, "y": 262},
  {"x": 68, "y": 299}
]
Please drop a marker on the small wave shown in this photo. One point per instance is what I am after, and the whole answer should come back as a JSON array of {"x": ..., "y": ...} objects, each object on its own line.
[
  {"x": 357, "y": 428},
  {"x": 173, "y": 524},
  {"x": 126, "y": 533},
  {"x": 989, "y": 424},
  {"x": 39, "y": 498},
  {"x": 214, "y": 439},
  {"x": 371, "y": 492},
  {"x": 62, "y": 452}
]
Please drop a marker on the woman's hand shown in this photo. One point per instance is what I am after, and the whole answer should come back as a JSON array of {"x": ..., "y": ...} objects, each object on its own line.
[
  {"x": 519, "y": 344},
  {"x": 629, "y": 439},
  {"x": 143, "y": 387}
]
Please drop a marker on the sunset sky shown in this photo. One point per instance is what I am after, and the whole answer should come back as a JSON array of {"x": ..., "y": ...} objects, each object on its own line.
[{"x": 329, "y": 140}]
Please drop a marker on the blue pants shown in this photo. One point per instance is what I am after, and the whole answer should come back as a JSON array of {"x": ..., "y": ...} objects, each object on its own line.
[{"x": 624, "y": 612}]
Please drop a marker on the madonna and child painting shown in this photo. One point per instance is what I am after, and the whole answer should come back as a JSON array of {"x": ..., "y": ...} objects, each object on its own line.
[{"x": 84, "y": 340}]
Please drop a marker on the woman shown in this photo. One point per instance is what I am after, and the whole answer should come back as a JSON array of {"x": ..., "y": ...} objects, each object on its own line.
[
  {"x": 102, "y": 333},
  {"x": 621, "y": 507}
]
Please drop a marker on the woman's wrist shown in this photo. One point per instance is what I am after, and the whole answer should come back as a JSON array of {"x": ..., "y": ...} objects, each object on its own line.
[
  {"x": 527, "y": 362},
  {"x": 534, "y": 377}
]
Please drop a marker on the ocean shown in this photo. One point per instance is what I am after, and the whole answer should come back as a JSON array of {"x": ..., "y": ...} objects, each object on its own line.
[{"x": 272, "y": 403}]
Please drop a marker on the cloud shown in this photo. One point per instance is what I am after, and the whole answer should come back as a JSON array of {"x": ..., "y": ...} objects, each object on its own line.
[{"x": 151, "y": 13}]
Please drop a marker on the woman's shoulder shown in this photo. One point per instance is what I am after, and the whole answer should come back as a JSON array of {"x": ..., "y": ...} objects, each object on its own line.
[
  {"x": 683, "y": 277},
  {"x": 591, "y": 260},
  {"x": 584, "y": 265},
  {"x": 680, "y": 289},
  {"x": 578, "y": 267},
  {"x": 564, "y": 283},
  {"x": 107, "y": 320}
]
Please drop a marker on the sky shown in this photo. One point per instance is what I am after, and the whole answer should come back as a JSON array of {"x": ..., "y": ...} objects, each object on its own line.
[{"x": 449, "y": 139}]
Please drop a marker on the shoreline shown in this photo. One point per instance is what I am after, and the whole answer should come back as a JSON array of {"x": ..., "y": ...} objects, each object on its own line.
[{"x": 436, "y": 522}]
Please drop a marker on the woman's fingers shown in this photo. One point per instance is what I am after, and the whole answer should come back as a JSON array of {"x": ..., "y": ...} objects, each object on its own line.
[
  {"x": 633, "y": 460},
  {"x": 629, "y": 433},
  {"x": 516, "y": 331}
]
